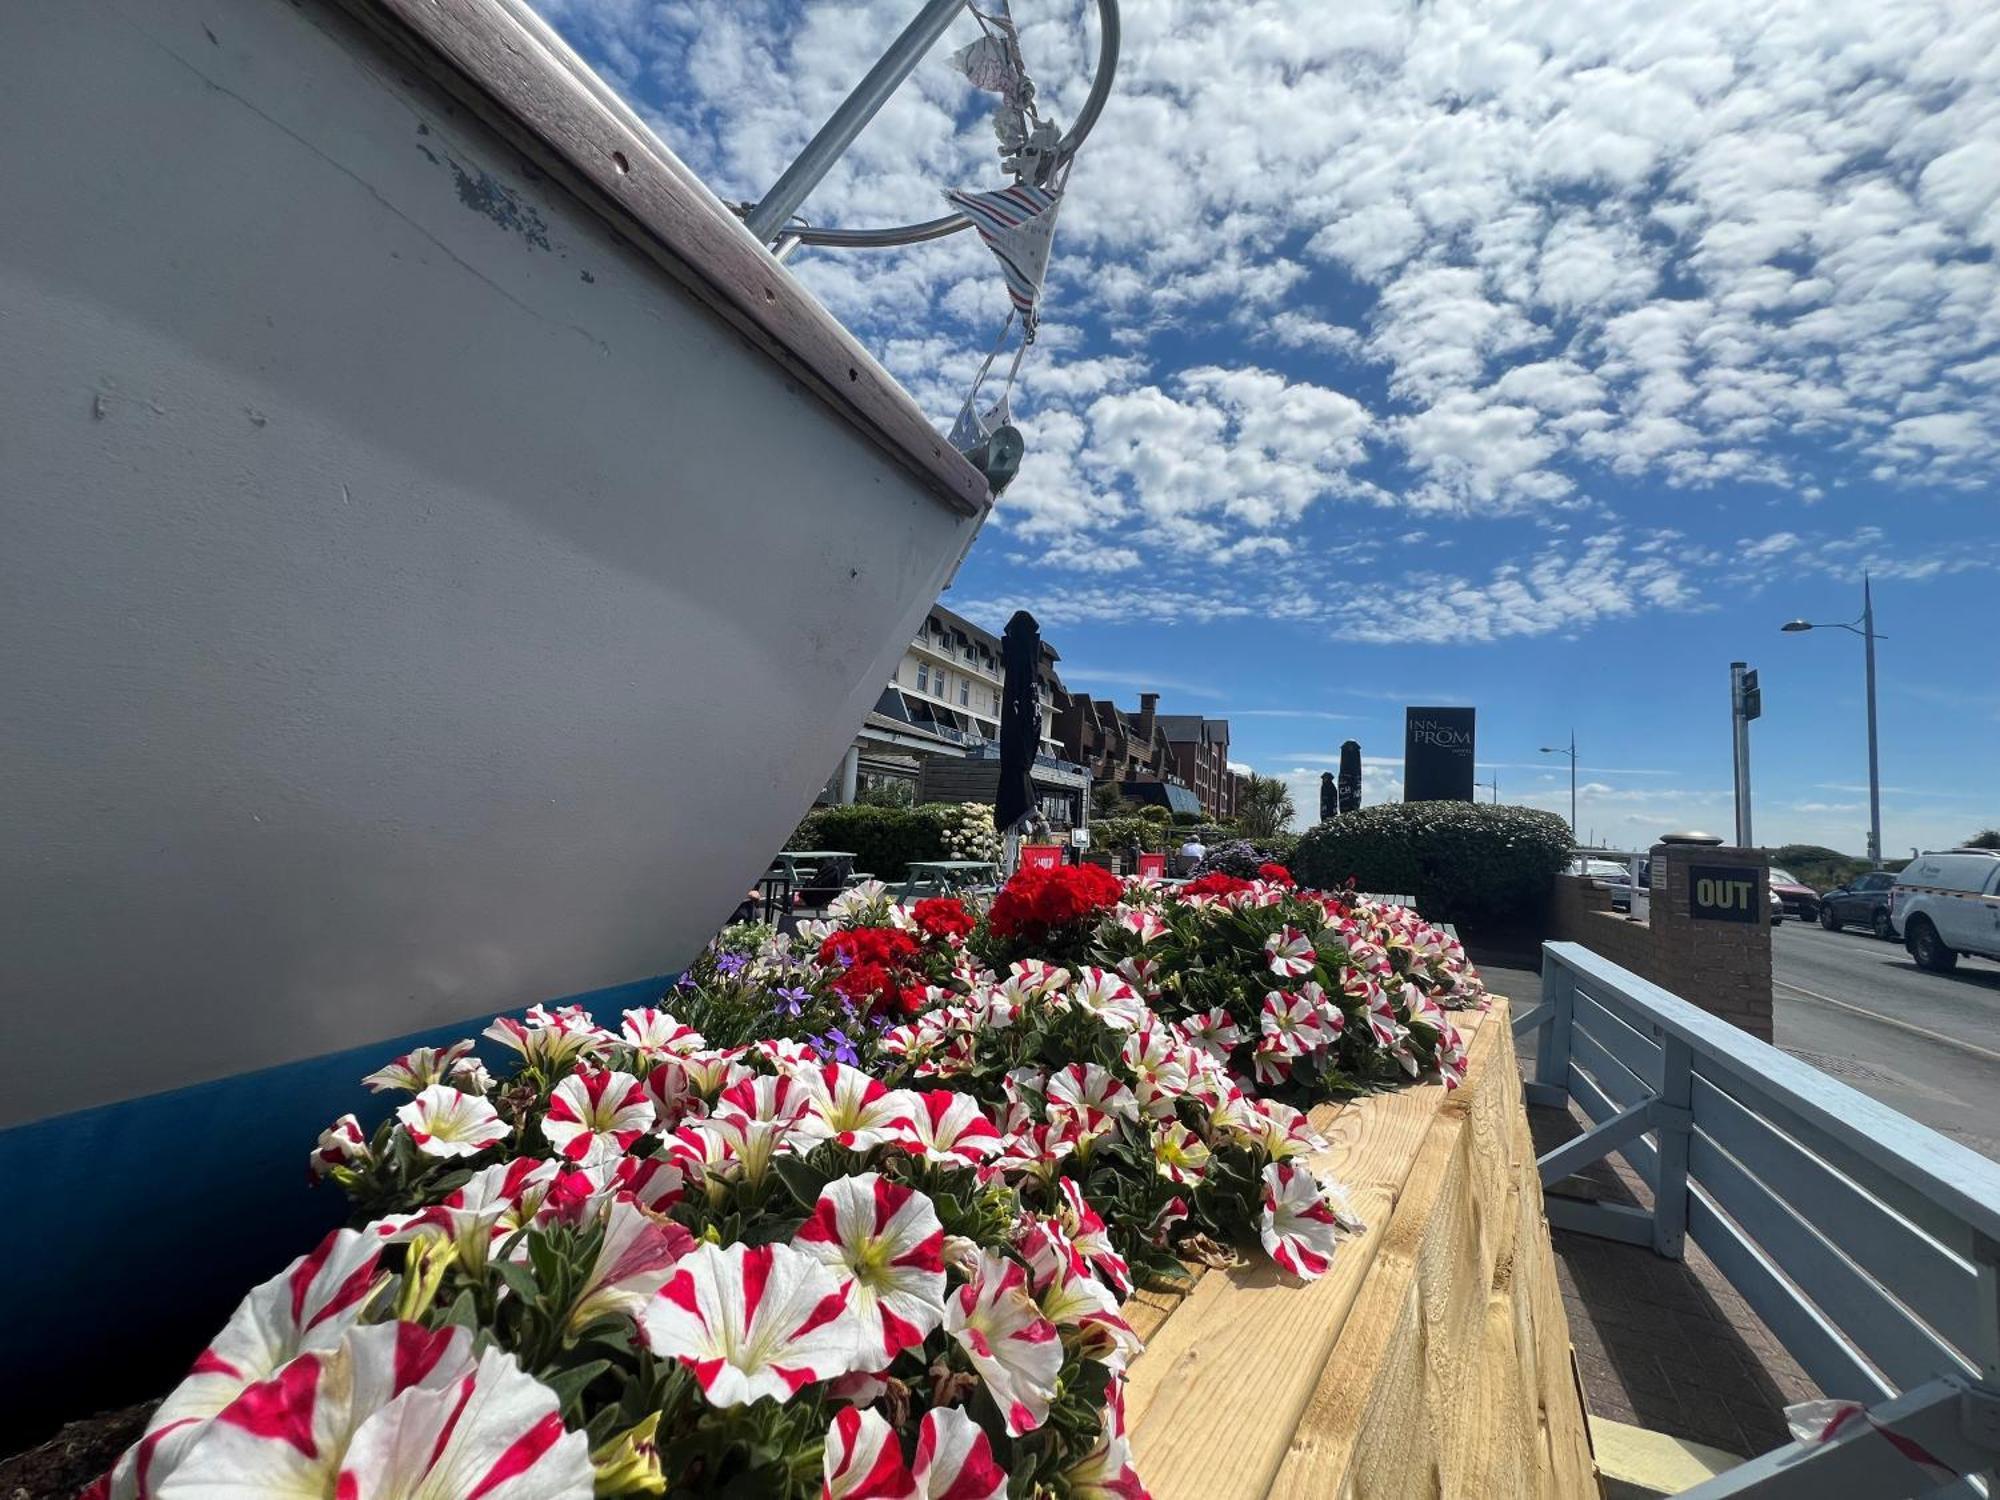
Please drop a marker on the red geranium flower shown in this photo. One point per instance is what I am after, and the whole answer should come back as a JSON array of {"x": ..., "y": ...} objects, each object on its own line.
[
  {"x": 1037, "y": 900},
  {"x": 868, "y": 945},
  {"x": 1215, "y": 883},
  {"x": 1275, "y": 874},
  {"x": 943, "y": 917}
]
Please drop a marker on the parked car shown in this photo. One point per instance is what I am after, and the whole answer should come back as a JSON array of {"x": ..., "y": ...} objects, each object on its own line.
[
  {"x": 1947, "y": 904},
  {"x": 1606, "y": 874},
  {"x": 1862, "y": 902},
  {"x": 1777, "y": 908},
  {"x": 1802, "y": 901}
]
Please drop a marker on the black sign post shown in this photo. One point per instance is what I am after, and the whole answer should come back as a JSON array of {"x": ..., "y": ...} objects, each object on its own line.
[
  {"x": 1437, "y": 755},
  {"x": 1723, "y": 893}
]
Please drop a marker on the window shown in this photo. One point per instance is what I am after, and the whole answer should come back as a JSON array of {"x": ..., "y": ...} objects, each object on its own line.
[
  {"x": 965, "y": 692},
  {"x": 923, "y": 677},
  {"x": 994, "y": 694}
]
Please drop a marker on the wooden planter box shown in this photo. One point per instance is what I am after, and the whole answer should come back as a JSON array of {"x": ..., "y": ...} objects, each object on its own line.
[{"x": 1433, "y": 1360}]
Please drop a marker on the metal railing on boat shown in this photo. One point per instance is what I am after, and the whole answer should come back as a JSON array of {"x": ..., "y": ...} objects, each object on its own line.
[{"x": 1868, "y": 1243}]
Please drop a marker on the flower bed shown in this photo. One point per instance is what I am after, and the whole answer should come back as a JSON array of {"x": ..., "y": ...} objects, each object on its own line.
[{"x": 853, "y": 1213}]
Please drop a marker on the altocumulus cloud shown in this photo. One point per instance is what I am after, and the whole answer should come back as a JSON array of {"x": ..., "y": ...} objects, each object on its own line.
[{"x": 1474, "y": 260}]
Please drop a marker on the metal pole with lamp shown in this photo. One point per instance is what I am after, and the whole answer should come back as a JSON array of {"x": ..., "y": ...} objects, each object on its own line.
[
  {"x": 1865, "y": 628},
  {"x": 1571, "y": 753}
]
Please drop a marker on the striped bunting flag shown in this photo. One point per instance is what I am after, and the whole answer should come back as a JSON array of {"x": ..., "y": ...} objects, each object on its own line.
[{"x": 1018, "y": 225}]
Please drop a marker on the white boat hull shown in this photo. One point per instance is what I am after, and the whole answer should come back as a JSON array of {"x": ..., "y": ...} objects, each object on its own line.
[{"x": 414, "y": 602}]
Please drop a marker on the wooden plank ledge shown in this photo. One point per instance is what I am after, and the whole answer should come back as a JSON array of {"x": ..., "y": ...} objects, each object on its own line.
[{"x": 1433, "y": 1359}]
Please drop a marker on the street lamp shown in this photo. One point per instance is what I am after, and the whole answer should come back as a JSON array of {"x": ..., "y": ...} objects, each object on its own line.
[
  {"x": 1571, "y": 753},
  {"x": 1865, "y": 628}
]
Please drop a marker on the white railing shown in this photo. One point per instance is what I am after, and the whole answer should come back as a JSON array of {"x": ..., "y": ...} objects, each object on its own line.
[{"x": 1868, "y": 1243}]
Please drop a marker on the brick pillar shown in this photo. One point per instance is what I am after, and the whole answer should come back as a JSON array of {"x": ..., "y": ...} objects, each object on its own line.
[{"x": 1722, "y": 966}]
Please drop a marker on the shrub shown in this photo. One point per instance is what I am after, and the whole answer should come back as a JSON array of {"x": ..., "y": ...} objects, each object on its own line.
[
  {"x": 1238, "y": 857},
  {"x": 1460, "y": 861},
  {"x": 1116, "y": 835}
]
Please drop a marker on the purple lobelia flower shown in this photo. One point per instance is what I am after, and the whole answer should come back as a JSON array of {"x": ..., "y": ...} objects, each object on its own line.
[
  {"x": 731, "y": 963},
  {"x": 792, "y": 1001}
]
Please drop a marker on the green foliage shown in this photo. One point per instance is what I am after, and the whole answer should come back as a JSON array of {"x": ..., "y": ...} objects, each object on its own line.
[
  {"x": 886, "y": 839},
  {"x": 896, "y": 793},
  {"x": 1986, "y": 838},
  {"x": 1816, "y": 866},
  {"x": 1189, "y": 819},
  {"x": 1461, "y": 861},
  {"x": 1263, "y": 806},
  {"x": 1116, "y": 835},
  {"x": 1107, "y": 801}
]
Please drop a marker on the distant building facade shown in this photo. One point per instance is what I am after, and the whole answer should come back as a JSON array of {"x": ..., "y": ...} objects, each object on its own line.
[
  {"x": 943, "y": 706},
  {"x": 1176, "y": 761},
  {"x": 1201, "y": 759}
]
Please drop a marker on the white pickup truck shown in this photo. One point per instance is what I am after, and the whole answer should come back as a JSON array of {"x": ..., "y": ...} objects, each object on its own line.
[{"x": 1947, "y": 904}]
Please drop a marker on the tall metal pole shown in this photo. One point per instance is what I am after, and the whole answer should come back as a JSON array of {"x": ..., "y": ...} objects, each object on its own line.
[
  {"x": 1572, "y": 786},
  {"x": 1740, "y": 730},
  {"x": 856, "y": 110},
  {"x": 1874, "y": 770}
]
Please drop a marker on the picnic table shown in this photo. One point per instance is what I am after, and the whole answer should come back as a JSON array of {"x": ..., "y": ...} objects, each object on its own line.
[
  {"x": 789, "y": 860},
  {"x": 949, "y": 874}
]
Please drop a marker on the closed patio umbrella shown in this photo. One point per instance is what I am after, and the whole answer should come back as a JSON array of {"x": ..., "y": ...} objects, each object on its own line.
[
  {"x": 1020, "y": 720},
  {"x": 1350, "y": 776}
]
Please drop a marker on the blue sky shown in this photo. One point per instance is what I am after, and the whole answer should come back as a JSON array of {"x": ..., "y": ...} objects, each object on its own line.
[{"x": 1541, "y": 357}]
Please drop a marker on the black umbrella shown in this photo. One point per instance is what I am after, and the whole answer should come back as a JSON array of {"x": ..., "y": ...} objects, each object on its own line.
[
  {"x": 1020, "y": 720},
  {"x": 1350, "y": 776}
]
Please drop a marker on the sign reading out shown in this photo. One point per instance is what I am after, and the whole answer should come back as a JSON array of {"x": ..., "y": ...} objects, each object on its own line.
[
  {"x": 1722, "y": 893},
  {"x": 1437, "y": 755}
]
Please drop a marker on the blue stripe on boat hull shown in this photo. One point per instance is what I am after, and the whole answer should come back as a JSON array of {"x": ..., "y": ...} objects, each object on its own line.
[{"x": 134, "y": 1228}]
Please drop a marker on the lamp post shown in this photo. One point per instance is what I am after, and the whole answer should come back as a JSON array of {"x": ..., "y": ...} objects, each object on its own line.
[
  {"x": 1865, "y": 628},
  {"x": 1571, "y": 753}
]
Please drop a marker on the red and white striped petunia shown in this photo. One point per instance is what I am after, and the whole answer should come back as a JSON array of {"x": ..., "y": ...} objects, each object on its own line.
[
  {"x": 852, "y": 1109},
  {"x": 656, "y": 1033},
  {"x": 752, "y": 1322},
  {"x": 496, "y": 1432},
  {"x": 491, "y": 1205},
  {"x": 1297, "y": 1226},
  {"x": 1106, "y": 1472},
  {"x": 549, "y": 1043},
  {"x": 864, "y": 1461},
  {"x": 885, "y": 1239},
  {"x": 1016, "y": 1350},
  {"x": 955, "y": 1459},
  {"x": 1279, "y": 1129},
  {"x": 634, "y": 1259},
  {"x": 1090, "y": 1095},
  {"x": 1087, "y": 1231},
  {"x": 1142, "y": 922},
  {"x": 1106, "y": 995},
  {"x": 341, "y": 1144},
  {"x": 949, "y": 1128},
  {"x": 1086, "y": 1313},
  {"x": 1289, "y": 953},
  {"x": 443, "y": 1122},
  {"x": 306, "y": 1308},
  {"x": 1214, "y": 1031},
  {"x": 1034, "y": 1151},
  {"x": 1160, "y": 1061},
  {"x": 596, "y": 1114},
  {"x": 417, "y": 1069},
  {"x": 1296, "y": 1021},
  {"x": 772, "y": 1098},
  {"x": 1179, "y": 1155}
]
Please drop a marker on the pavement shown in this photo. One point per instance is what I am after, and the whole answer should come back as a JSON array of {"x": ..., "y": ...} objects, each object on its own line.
[
  {"x": 1861, "y": 1010},
  {"x": 1660, "y": 1344}
]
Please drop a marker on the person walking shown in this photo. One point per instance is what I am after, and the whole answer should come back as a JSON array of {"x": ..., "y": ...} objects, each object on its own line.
[{"x": 1193, "y": 852}]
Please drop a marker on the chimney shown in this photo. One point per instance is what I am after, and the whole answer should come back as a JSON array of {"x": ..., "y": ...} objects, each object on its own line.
[{"x": 1148, "y": 704}]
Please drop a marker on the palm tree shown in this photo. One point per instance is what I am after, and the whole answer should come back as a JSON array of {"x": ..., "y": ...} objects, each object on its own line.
[{"x": 1263, "y": 806}]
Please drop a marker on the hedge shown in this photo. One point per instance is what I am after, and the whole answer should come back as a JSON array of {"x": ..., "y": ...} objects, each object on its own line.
[{"x": 1461, "y": 861}]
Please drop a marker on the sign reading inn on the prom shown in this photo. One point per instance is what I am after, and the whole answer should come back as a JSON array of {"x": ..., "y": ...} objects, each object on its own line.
[{"x": 1437, "y": 755}]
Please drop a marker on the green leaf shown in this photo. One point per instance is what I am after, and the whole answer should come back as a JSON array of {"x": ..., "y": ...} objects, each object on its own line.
[
  {"x": 802, "y": 1179},
  {"x": 568, "y": 1384}
]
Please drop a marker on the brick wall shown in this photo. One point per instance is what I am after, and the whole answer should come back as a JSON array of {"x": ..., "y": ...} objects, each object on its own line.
[{"x": 1723, "y": 967}]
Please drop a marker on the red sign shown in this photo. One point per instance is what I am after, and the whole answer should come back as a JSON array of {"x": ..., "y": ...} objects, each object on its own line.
[
  {"x": 1041, "y": 856},
  {"x": 1153, "y": 866}
]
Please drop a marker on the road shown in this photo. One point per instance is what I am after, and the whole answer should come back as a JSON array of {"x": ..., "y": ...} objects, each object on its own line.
[{"x": 1926, "y": 1044}]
